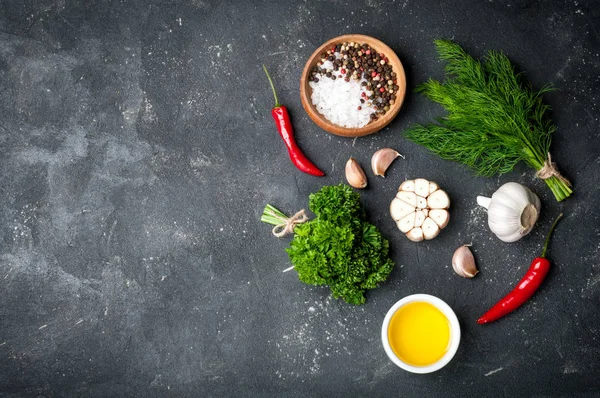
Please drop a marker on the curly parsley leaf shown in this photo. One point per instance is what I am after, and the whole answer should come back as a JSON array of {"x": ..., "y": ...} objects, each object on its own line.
[{"x": 339, "y": 248}]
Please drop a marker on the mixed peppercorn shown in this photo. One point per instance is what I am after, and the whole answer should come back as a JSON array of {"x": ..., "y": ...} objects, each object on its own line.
[{"x": 361, "y": 63}]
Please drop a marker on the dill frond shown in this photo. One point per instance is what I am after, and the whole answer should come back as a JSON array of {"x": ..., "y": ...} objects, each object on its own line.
[{"x": 495, "y": 119}]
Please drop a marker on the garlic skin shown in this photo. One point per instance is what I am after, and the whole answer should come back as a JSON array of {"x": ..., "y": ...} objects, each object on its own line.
[
  {"x": 463, "y": 262},
  {"x": 382, "y": 159},
  {"x": 355, "y": 175},
  {"x": 512, "y": 211}
]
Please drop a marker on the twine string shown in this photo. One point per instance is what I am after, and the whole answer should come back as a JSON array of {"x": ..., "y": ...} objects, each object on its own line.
[
  {"x": 550, "y": 170},
  {"x": 287, "y": 224}
]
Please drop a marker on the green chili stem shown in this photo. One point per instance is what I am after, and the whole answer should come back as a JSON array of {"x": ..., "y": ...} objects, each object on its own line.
[
  {"x": 272, "y": 87},
  {"x": 549, "y": 235}
]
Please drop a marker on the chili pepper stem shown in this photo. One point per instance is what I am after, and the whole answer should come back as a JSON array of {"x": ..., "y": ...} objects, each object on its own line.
[
  {"x": 543, "y": 255},
  {"x": 272, "y": 86}
]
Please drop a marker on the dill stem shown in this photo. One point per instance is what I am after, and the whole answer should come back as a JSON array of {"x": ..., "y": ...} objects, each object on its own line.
[{"x": 559, "y": 188}]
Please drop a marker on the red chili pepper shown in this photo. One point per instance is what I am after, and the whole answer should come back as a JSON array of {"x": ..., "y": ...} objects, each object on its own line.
[
  {"x": 525, "y": 288},
  {"x": 286, "y": 131}
]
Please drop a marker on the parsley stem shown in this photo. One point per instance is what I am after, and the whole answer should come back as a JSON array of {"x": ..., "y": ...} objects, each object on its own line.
[{"x": 273, "y": 216}]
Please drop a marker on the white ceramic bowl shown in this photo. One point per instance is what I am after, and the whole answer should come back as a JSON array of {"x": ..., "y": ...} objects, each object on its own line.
[{"x": 454, "y": 333}]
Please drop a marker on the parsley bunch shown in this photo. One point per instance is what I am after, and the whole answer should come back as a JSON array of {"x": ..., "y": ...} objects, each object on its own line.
[{"x": 340, "y": 248}]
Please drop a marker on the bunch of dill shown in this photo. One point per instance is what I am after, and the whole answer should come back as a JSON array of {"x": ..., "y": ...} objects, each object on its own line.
[{"x": 495, "y": 119}]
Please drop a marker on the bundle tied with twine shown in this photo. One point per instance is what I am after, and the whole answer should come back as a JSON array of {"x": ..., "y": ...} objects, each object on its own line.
[
  {"x": 283, "y": 225},
  {"x": 550, "y": 170}
]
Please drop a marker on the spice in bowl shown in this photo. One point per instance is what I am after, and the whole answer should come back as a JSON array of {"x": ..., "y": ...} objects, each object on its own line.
[{"x": 352, "y": 84}]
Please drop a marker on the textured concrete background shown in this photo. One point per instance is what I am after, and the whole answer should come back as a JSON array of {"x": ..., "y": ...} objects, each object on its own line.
[{"x": 137, "y": 153}]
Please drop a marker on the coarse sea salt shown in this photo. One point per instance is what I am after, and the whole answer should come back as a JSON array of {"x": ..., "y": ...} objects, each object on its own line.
[{"x": 339, "y": 101}]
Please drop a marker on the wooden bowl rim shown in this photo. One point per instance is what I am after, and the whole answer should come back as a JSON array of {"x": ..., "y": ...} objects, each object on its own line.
[{"x": 371, "y": 127}]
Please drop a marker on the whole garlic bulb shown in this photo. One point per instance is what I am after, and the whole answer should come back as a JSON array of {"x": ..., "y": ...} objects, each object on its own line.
[{"x": 512, "y": 211}]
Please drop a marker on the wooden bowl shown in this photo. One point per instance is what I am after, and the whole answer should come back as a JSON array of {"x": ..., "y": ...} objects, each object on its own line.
[{"x": 374, "y": 125}]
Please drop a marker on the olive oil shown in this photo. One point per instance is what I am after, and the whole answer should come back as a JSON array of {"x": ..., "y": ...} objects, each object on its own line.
[{"x": 419, "y": 334}]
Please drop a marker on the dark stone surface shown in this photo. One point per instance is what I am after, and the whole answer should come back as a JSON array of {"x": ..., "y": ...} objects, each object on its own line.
[{"x": 137, "y": 154}]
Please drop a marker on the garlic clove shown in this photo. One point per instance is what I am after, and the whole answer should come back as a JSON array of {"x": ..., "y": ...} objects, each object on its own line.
[
  {"x": 419, "y": 218},
  {"x": 415, "y": 234},
  {"x": 422, "y": 187},
  {"x": 438, "y": 200},
  {"x": 433, "y": 187},
  {"x": 408, "y": 186},
  {"x": 430, "y": 229},
  {"x": 440, "y": 217},
  {"x": 406, "y": 223},
  {"x": 399, "y": 209},
  {"x": 355, "y": 175},
  {"x": 421, "y": 202},
  {"x": 408, "y": 197},
  {"x": 382, "y": 159},
  {"x": 463, "y": 262}
]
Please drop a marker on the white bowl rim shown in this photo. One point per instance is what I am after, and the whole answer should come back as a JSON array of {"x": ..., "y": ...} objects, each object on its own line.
[{"x": 454, "y": 333}]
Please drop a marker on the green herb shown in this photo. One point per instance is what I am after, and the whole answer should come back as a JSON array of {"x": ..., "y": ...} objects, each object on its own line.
[
  {"x": 339, "y": 247},
  {"x": 494, "y": 118}
]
